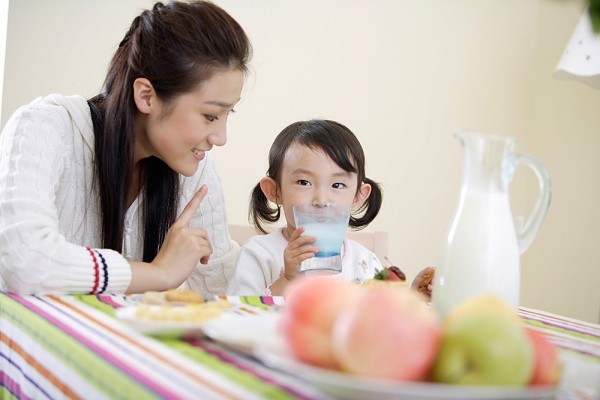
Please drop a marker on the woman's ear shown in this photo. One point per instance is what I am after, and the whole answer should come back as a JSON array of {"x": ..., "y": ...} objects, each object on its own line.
[
  {"x": 362, "y": 195},
  {"x": 269, "y": 188},
  {"x": 143, "y": 95}
]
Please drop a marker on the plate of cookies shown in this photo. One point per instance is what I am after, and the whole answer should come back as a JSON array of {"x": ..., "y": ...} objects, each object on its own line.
[{"x": 175, "y": 312}]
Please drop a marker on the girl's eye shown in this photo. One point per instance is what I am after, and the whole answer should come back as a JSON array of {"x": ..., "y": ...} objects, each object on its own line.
[
  {"x": 232, "y": 111},
  {"x": 338, "y": 185},
  {"x": 303, "y": 182}
]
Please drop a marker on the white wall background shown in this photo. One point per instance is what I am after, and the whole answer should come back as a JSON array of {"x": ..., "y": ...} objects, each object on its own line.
[{"x": 404, "y": 76}]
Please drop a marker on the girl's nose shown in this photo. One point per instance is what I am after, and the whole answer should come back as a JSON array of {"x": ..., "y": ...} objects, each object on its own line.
[{"x": 320, "y": 198}]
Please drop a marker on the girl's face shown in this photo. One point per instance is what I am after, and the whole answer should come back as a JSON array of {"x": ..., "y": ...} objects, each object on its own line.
[
  {"x": 181, "y": 132},
  {"x": 310, "y": 176}
]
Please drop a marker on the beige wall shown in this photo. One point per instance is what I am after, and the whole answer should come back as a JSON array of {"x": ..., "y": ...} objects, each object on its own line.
[
  {"x": 404, "y": 76},
  {"x": 564, "y": 264}
]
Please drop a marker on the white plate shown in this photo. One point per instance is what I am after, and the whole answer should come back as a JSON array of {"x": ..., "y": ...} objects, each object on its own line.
[
  {"x": 239, "y": 325},
  {"x": 157, "y": 327},
  {"x": 243, "y": 332},
  {"x": 346, "y": 386}
]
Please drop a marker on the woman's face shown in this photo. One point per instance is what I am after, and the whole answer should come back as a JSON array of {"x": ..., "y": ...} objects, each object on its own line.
[
  {"x": 192, "y": 124},
  {"x": 310, "y": 176}
]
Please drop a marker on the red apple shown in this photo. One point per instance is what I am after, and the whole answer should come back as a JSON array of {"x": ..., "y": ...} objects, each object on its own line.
[
  {"x": 312, "y": 307},
  {"x": 546, "y": 370},
  {"x": 388, "y": 333}
]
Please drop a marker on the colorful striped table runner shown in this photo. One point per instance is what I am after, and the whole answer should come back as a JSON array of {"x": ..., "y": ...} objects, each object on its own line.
[
  {"x": 579, "y": 342},
  {"x": 567, "y": 333},
  {"x": 55, "y": 347}
]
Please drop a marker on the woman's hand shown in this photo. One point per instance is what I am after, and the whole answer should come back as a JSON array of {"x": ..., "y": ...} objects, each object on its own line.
[
  {"x": 299, "y": 248},
  {"x": 179, "y": 254}
]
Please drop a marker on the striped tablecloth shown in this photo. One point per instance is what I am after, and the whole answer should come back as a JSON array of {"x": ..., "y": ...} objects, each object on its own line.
[
  {"x": 579, "y": 342},
  {"x": 55, "y": 347}
]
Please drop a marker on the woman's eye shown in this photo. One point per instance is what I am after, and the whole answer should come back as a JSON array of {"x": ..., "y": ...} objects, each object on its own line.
[
  {"x": 211, "y": 118},
  {"x": 338, "y": 185},
  {"x": 303, "y": 182}
]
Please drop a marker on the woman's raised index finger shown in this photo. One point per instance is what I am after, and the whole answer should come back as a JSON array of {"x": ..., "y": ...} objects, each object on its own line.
[{"x": 191, "y": 207}]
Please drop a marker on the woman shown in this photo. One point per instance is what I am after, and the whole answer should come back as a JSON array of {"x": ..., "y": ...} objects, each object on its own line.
[{"x": 120, "y": 193}]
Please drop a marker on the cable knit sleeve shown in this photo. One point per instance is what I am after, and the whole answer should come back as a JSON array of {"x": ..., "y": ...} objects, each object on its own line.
[
  {"x": 210, "y": 279},
  {"x": 45, "y": 224}
]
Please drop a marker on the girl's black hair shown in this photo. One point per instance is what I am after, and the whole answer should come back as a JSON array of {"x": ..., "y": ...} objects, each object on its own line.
[
  {"x": 335, "y": 140},
  {"x": 176, "y": 47}
]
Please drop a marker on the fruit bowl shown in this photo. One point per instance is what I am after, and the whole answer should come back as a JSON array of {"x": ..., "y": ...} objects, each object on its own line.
[
  {"x": 387, "y": 337},
  {"x": 353, "y": 387}
]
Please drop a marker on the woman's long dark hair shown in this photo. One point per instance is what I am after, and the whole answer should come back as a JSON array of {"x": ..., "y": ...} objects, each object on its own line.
[
  {"x": 176, "y": 47},
  {"x": 340, "y": 144}
]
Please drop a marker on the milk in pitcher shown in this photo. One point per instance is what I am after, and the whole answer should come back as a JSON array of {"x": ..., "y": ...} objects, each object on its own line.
[{"x": 477, "y": 261}]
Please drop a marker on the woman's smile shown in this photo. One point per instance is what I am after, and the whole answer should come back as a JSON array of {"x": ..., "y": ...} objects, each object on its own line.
[{"x": 198, "y": 154}]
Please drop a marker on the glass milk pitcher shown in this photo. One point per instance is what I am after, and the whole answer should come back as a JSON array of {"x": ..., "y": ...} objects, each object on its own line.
[{"x": 481, "y": 252}]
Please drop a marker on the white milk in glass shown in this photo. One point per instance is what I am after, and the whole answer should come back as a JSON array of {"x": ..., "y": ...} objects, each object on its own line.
[{"x": 330, "y": 237}]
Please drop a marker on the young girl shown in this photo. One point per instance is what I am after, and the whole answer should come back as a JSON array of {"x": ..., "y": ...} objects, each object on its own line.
[
  {"x": 106, "y": 195},
  {"x": 309, "y": 162}
]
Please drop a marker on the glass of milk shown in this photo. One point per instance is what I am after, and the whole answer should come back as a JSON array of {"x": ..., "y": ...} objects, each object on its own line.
[{"x": 327, "y": 222}]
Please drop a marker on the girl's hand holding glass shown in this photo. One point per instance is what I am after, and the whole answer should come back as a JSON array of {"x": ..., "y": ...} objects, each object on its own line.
[{"x": 299, "y": 248}]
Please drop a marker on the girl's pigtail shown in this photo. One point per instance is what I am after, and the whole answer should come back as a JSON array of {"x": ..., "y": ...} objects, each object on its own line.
[
  {"x": 370, "y": 208},
  {"x": 260, "y": 210}
]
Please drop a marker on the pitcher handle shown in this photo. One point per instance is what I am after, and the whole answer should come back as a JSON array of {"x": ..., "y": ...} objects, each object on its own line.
[{"x": 526, "y": 232}]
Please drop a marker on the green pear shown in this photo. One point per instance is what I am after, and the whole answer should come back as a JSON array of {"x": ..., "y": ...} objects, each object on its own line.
[
  {"x": 484, "y": 349},
  {"x": 484, "y": 303}
]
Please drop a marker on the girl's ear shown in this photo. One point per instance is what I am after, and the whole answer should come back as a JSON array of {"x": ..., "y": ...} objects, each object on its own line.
[
  {"x": 363, "y": 194},
  {"x": 269, "y": 188},
  {"x": 143, "y": 95}
]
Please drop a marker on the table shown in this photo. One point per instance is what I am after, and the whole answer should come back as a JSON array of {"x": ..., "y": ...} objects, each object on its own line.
[{"x": 54, "y": 347}]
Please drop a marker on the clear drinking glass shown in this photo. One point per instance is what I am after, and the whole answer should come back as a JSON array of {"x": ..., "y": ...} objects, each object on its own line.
[{"x": 328, "y": 222}]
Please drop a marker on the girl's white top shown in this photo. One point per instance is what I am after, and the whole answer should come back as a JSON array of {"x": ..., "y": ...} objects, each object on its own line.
[{"x": 261, "y": 263}]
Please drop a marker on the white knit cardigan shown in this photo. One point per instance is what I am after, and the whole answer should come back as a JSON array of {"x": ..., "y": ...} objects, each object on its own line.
[{"x": 50, "y": 212}]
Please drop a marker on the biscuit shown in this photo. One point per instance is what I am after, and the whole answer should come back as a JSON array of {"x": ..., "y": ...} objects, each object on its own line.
[
  {"x": 183, "y": 296},
  {"x": 423, "y": 280},
  {"x": 152, "y": 297},
  {"x": 188, "y": 313}
]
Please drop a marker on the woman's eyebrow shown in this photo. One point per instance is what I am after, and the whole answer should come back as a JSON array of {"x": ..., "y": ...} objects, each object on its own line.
[{"x": 221, "y": 103}]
